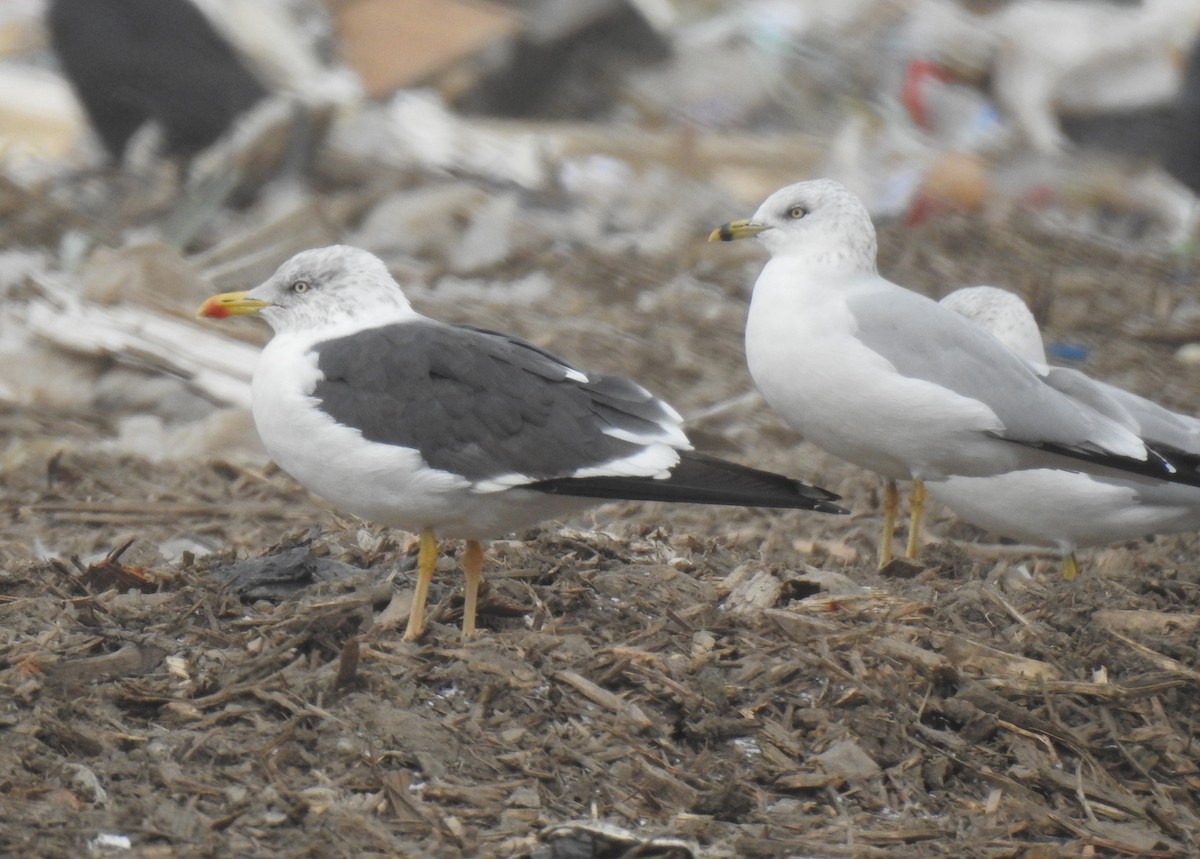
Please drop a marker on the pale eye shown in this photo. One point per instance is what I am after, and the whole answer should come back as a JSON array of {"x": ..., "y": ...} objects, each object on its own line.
[
  {"x": 797, "y": 212},
  {"x": 300, "y": 287}
]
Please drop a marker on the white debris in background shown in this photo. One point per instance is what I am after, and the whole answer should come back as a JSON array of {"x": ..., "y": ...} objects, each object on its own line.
[
  {"x": 32, "y": 371},
  {"x": 418, "y": 131},
  {"x": 529, "y": 291},
  {"x": 83, "y": 781},
  {"x": 228, "y": 434},
  {"x": 40, "y": 118},
  {"x": 173, "y": 551},
  {"x": 418, "y": 221},
  {"x": 756, "y": 94},
  {"x": 487, "y": 238},
  {"x": 109, "y": 843},
  {"x": 17, "y": 264},
  {"x": 42, "y": 125},
  {"x": 212, "y": 363},
  {"x": 281, "y": 38},
  {"x": 1045, "y": 56}
]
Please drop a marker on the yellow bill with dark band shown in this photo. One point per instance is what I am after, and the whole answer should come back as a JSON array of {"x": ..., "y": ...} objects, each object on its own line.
[{"x": 743, "y": 229}]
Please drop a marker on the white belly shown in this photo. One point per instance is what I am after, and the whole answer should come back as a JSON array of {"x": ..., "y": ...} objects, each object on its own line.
[
  {"x": 852, "y": 402},
  {"x": 1070, "y": 509}
]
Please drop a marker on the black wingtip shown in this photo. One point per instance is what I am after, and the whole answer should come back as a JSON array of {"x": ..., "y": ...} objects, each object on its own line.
[
  {"x": 1163, "y": 463},
  {"x": 700, "y": 479}
]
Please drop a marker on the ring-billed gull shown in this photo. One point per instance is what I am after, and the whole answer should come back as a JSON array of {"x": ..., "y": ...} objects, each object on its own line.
[
  {"x": 408, "y": 421},
  {"x": 1071, "y": 508},
  {"x": 889, "y": 379}
]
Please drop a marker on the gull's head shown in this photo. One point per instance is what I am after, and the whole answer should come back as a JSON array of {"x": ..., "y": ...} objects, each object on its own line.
[
  {"x": 318, "y": 288},
  {"x": 1003, "y": 315},
  {"x": 820, "y": 221}
]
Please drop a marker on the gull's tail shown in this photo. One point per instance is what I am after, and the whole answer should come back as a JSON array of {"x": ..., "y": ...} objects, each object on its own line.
[{"x": 700, "y": 479}]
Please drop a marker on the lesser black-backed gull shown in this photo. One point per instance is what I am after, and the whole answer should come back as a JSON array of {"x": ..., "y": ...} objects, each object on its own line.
[
  {"x": 892, "y": 381},
  {"x": 454, "y": 430}
]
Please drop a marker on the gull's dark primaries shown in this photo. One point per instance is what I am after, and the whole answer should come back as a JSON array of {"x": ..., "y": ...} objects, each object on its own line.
[
  {"x": 138, "y": 61},
  {"x": 454, "y": 430}
]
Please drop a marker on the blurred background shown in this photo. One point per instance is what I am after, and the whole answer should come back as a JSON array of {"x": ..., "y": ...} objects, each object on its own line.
[{"x": 521, "y": 163}]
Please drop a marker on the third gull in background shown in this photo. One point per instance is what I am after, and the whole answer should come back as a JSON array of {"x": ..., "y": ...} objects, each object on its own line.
[{"x": 1073, "y": 507}]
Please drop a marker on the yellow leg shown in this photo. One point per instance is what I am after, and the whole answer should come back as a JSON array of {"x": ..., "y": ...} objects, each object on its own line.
[
  {"x": 917, "y": 506},
  {"x": 1070, "y": 566},
  {"x": 426, "y": 561},
  {"x": 473, "y": 569},
  {"x": 891, "y": 503}
]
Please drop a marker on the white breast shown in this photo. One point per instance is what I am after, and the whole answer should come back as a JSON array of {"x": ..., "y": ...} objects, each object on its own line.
[
  {"x": 383, "y": 483},
  {"x": 846, "y": 398}
]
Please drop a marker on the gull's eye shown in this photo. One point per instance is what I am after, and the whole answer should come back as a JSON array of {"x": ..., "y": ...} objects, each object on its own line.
[
  {"x": 300, "y": 286},
  {"x": 797, "y": 212}
]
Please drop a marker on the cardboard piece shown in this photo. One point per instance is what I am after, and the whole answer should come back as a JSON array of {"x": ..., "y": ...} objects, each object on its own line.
[{"x": 401, "y": 43}]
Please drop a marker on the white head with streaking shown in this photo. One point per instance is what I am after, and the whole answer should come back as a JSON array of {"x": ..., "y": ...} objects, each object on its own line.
[
  {"x": 818, "y": 223},
  {"x": 1002, "y": 314},
  {"x": 322, "y": 287}
]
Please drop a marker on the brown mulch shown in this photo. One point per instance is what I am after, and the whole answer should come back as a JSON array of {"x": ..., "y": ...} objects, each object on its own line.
[{"x": 745, "y": 681}]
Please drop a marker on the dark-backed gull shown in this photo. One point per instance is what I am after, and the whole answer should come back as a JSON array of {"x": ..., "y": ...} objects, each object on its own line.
[
  {"x": 454, "y": 430},
  {"x": 134, "y": 62}
]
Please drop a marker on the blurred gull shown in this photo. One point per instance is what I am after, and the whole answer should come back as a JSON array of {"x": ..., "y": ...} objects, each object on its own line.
[
  {"x": 894, "y": 382},
  {"x": 1043, "y": 58},
  {"x": 1070, "y": 508}
]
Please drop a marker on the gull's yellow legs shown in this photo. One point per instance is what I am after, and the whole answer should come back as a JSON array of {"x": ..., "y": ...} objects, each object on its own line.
[
  {"x": 427, "y": 556},
  {"x": 426, "y": 562},
  {"x": 891, "y": 504},
  {"x": 916, "y": 505},
  {"x": 473, "y": 569},
  {"x": 891, "y": 507}
]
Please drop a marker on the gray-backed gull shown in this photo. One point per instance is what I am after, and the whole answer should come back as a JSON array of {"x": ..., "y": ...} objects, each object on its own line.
[
  {"x": 1073, "y": 507},
  {"x": 892, "y": 381}
]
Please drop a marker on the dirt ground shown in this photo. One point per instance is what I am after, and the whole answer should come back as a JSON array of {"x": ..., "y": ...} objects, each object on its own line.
[{"x": 743, "y": 682}]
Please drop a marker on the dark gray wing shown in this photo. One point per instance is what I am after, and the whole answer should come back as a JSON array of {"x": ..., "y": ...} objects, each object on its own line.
[
  {"x": 482, "y": 404},
  {"x": 700, "y": 479}
]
